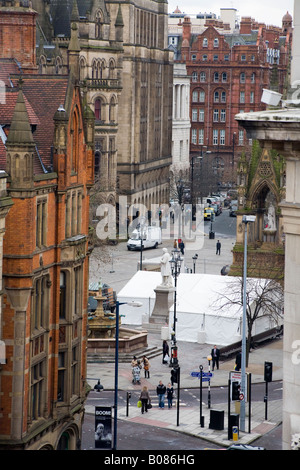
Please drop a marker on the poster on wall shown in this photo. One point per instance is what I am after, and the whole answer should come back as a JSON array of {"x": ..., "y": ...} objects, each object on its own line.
[{"x": 103, "y": 434}]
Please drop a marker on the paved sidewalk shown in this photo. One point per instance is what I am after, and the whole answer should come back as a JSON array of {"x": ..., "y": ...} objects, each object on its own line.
[{"x": 190, "y": 356}]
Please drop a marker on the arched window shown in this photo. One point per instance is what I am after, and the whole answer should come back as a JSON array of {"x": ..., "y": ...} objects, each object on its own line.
[
  {"x": 97, "y": 163},
  {"x": 205, "y": 42},
  {"x": 202, "y": 76},
  {"x": 58, "y": 66},
  {"x": 112, "y": 67},
  {"x": 194, "y": 76},
  {"x": 98, "y": 110},
  {"x": 112, "y": 108}
]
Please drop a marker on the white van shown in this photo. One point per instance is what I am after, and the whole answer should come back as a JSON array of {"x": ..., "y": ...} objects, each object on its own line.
[{"x": 151, "y": 238}]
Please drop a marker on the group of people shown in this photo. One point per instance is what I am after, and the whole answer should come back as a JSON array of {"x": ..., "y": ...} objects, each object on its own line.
[
  {"x": 136, "y": 369},
  {"x": 161, "y": 391}
]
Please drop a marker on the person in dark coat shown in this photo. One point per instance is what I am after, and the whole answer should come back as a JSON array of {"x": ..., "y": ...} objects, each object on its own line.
[
  {"x": 160, "y": 391},
  {"x": 218, "y": 248},
  {"x": 238, "y": 361},
  {"x": 165, "y": 351},
  {"x": 215, "y": 355},
  {"x": 170, "y": 393},
  {"x": 181, "y": 247}
]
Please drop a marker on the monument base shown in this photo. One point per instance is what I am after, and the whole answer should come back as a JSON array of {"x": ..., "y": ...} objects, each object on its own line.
[
  {"x": 163, "y": 301},
  {"x": 160, "y": 314}
]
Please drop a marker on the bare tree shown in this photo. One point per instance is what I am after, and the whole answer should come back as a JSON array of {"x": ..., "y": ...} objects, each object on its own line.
[{"x": 264, "y": 299}]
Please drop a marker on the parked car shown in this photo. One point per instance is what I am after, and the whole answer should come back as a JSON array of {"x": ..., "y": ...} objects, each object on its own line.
[
  {"x": 217, "y": 207},
  {"x": 233, "y": 208}
]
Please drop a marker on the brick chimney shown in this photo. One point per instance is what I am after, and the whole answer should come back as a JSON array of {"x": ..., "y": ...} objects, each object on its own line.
[
  {"x": 18, "y": 35},
  {"x": 246, "y": 25}
]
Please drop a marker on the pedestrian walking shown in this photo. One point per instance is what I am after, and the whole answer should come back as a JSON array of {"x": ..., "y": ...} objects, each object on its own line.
[
  {"x": 170, "y": 393},
  {"x": 215, "y": 354},
  {"x": 238, "y": 361},
  {"x": 165, "y": 358},
  {"x": 218, "y": 248},
  {"x": 161, "y": 391},
  {"x": 146, "y": 364},
  {"x": 145, "y": 399},
  {"x": 181, "y": 247}
]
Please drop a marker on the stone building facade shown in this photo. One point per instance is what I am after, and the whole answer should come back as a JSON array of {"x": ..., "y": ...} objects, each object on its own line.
[
  {"x": 279, "y": 129},
  {"x": 261, "y": 187},
  {"x": 229, "y": 68},
  {"x": 47, "y": 151},
  {"x": 180, "y": 168},
  {"x": 126, "y": 73}
]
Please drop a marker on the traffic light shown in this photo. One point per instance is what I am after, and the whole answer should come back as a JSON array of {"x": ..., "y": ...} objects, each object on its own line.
[
  {"x": 235, "y": 391},
  {"x": 174, "y": 376},
  {"x": 268, "y": 372}
]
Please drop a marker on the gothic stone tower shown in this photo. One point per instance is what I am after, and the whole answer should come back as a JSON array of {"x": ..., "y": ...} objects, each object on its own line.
[{"x": 261, "y": 188}]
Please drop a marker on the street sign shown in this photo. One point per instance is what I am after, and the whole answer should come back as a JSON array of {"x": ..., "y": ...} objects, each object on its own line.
[{"x": 205, "y": 375}]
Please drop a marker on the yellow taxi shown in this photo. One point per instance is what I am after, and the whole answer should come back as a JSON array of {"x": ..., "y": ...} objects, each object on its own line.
[{"x": 208, "y": 213}]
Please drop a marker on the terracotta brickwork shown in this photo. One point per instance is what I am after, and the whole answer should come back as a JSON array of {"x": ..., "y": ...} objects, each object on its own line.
[
  {"x": 48, "y": 155},
  {"x": 228, "y": 74}
]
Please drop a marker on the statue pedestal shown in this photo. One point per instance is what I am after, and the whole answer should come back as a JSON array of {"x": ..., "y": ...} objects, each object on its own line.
[{"x": 164, "y": 300}]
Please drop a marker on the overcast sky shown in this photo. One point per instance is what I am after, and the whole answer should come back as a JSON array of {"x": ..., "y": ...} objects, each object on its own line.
[{"x": 264, "y": 11}]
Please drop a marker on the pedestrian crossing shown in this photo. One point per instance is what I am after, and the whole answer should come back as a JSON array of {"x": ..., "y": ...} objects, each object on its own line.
[{"x": 189, "y": 399}]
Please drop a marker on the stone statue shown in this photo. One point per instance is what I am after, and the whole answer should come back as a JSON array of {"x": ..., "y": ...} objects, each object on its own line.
[
  {"x": 165, "y": 269},
  {"x": 271, "y": 218}
]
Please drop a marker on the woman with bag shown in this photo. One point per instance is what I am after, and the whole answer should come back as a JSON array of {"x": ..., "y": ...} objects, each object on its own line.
[
  {"x": 145, "y": 399},
  {"x": 146, "y": 363},
  {"x": 165, "y": 352}
]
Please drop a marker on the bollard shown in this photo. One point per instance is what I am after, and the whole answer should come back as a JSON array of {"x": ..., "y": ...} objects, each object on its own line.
[{"x": 235, "y": 433}]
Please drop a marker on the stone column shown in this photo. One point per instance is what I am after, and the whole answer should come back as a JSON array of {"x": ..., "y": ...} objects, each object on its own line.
[
  {"x": 291, "y": 339},
  {"x": 19, "y": 301}
]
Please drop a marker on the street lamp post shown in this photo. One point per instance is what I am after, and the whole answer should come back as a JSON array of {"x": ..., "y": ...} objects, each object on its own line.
[
  {"x": 133, "y": 304},
  {"x": 175, "y": 262},
  {"x": 195, "y": 257},
  {"x": 246, "y": 219},
  {"x": 142, "y": 228},
  {"x": 209, "y": 358}
]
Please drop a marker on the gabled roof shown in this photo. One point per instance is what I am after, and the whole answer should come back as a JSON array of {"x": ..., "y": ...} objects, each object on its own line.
[{"x": 43, "y": 94}]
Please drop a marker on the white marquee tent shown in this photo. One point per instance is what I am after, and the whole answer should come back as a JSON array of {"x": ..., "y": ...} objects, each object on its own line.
[{"x": 198, "y": 317}]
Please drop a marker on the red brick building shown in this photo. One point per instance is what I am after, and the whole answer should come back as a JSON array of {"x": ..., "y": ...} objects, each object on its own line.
[
  {"x": 47, "y": 151},
  {"x": 228, "y": 72}
]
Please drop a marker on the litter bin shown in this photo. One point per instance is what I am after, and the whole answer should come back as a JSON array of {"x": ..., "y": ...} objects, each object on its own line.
[
  {"x": 211, "y": 235},
  {"x": 216, "y": 420},
  {"x": 234, "y": 420}
]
